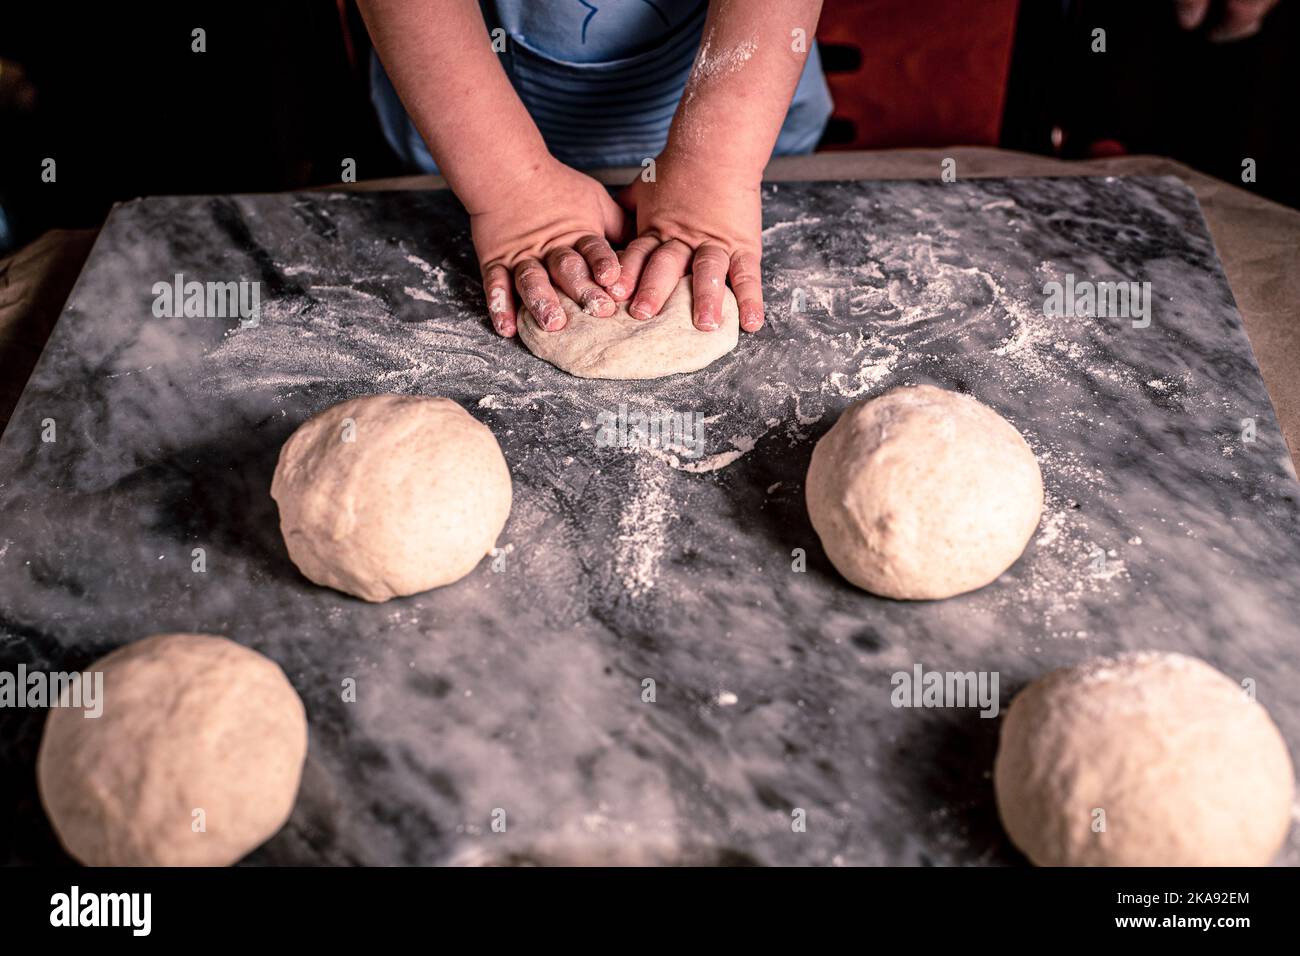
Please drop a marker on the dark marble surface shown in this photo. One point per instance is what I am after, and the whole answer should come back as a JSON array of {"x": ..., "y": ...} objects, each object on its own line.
[{"x": 521, "y": 689}]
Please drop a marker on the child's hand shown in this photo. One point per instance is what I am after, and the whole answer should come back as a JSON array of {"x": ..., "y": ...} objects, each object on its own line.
[
  {"x": 548, "y": 229},
  {"x": 707, "y": 222}
]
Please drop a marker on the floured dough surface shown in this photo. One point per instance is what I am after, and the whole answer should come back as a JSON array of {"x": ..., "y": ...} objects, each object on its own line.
[
  {"x": 923, "y": 493},
  {"x": 194, "y": 761},
  {"x": 390, "y": 495},
  {"x": 1147, "y": 759},
  {"x": 621, "y": 347}
]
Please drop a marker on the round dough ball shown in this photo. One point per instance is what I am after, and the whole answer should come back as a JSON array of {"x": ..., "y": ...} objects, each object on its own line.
[
  {"x": 391, "y": 495},
  {"x": 621, "y": 347},
  {"x": 189, "y": 722},
  {"x": 1188, "y": 770},
  {"x": 923, "y": 493}
]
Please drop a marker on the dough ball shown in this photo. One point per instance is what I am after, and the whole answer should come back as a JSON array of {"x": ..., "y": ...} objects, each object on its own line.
[
  {"x": 189, "y": 722},
  {"x": 923, "y": 493},
  {"x": 621, "y": 347},
  {"x": 391, "y": 495},
  {"x": 1187, "y": 769}
]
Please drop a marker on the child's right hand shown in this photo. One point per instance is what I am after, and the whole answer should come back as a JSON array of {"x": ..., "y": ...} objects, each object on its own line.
[{"x": 550, "y": 228}]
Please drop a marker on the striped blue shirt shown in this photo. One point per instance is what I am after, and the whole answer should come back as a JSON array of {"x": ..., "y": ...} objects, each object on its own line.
[{"x": 602, "y": 78}]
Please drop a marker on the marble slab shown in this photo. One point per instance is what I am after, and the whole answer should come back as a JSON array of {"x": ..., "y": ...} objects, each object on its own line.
[{"x": 520, "y": 688}]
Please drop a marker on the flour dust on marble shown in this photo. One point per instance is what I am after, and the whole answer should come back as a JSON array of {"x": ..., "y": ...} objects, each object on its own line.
[
  {"x": 901, "y": 297},
  {"x": 858, "y": 301},
  {"x": 773, "y": 683}
]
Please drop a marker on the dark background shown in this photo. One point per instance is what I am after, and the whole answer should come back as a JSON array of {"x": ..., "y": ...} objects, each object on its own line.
[{"x": 115, "y": 95}]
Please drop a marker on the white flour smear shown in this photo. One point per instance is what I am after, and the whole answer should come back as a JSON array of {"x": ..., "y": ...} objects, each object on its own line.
[
  {"x": 344, "y": 337},
  {"x": 713, "y": 61},
  {"x": 643, "y": 528},
  {"x": 740, "y": 445},
  {"x": 437, "y": 275},
  {"x": 799, "y": 223}
]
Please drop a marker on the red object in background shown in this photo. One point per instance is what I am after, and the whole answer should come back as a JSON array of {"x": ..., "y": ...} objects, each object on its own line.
[
  {"x": 929, "y": 72},
  {"x": 1103, "y": 148}
]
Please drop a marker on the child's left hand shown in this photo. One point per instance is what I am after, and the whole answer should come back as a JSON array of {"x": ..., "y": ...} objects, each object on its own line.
[{"x": 707, "y": 222}]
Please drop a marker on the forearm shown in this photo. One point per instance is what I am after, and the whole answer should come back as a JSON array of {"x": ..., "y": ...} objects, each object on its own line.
[
  {"x": 440, "y": 59},
  {"x": 741, "y": 85}
]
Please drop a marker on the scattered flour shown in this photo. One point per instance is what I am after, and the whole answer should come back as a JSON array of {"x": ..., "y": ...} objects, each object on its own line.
[
  {"x": 869, "y": 374},
  {"x": 798, "y": 223},
  {"x": 910, "y": 296},
  {"x": 420, "y": 294},
  {"x": 643, "y": 528},
  {"x": 436, "y": 274},
  {"x": 740, "y": 445},
  {"x": 915, "y": 292}
]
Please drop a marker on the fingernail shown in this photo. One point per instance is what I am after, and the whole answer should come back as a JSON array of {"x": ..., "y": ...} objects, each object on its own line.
[
  {"x": 639, "y": 310},
  {"x": 595, "y": 301},
  {"x": 549, "y": 319},
  {"x": 751, "y": 317},
  {"x": 618, "y": 289},
  {"x": 707, "y": 322}
]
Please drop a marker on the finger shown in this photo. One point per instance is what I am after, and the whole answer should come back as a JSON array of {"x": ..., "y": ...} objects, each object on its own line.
[
  {"x": 631, "y": 261},
  {"x": 619, "y": 223},
  {"x": 600, "y": 259},
  {"x": 500, "y": 299},
  {"x": 569, "y": 271},
  {"x": 534, "y": 287},
  {"x": 662, "y": 272},
  {"x": 708, "y": 281},
  {"x": 627, "y": 196},
  {"x": 747, "y": 283},
  {"x": 1191, "y": 12}
]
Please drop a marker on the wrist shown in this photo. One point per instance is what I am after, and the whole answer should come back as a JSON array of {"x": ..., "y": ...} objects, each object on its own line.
[
  {"x": 509, "y": 176},
  {"x": 701, "y": 169}
]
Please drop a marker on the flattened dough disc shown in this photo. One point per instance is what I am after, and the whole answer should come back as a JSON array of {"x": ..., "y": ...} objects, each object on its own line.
[{"x": 621, "y": 347}]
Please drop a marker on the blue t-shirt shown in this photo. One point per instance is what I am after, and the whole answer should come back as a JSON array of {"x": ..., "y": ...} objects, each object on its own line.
[{"x": 602, "y": 78}]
